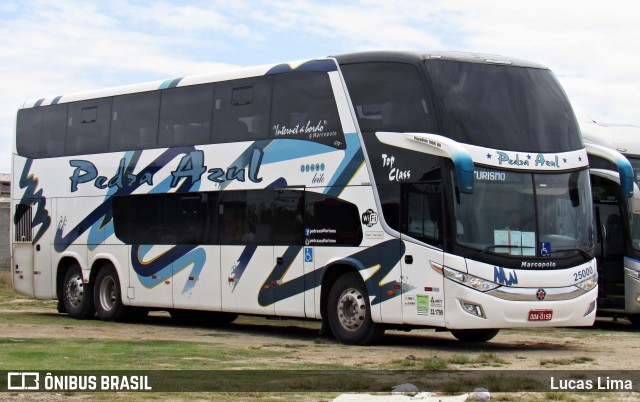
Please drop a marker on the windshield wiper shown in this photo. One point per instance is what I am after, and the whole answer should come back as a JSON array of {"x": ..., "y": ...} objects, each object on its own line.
[
  {"x": 586, "y": 255},
  {"x": 484, "y": 250}
]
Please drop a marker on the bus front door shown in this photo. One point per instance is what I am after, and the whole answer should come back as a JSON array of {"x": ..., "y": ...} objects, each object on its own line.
[
  {"x": 610, "y": 247},
  {"x": 423, "y": 287}
]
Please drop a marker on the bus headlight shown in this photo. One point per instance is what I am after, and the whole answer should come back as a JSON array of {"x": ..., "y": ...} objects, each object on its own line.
[
  {"x": 588, "y": 283},
  {"x": 471, "y": 281}
]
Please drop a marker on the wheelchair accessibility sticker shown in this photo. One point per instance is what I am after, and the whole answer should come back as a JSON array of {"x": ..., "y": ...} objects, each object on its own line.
[{"x": 545, "y": 249}]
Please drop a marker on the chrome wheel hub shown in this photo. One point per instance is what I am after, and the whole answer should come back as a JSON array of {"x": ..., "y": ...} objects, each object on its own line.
[
  {"x": 107, "y": 293},
  {"x": 75, "y": 290},
  {"x": 352, "y": 309}
]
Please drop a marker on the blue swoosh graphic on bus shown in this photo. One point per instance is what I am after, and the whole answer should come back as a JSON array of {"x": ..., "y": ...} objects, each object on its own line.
[
  {"x": 197, "y": 257},
  {"x": 386, "y": 254},
  {"x": 287, "y": 149},
  {"x": 32, "y": 197},
  {"x": 241, "y": 264},
  {"x": 99, "y": 232},
  {"x": 351, "y": 163},
  {"x": 151, "y": 273},
  {"x": 164, "y": 261}
]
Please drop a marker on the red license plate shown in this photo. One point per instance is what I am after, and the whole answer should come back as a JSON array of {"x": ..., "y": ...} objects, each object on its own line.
[{"x": 540, "y": 315}]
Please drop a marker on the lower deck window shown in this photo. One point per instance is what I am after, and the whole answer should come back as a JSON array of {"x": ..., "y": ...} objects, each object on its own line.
[{"x": 253, "y": 217}]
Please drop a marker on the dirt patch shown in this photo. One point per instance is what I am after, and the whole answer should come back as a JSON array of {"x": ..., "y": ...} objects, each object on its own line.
[{"x": 609, "y": 345}]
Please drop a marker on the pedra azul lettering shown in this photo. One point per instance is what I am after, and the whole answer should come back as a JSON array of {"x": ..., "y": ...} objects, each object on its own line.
[{"x": 191, "y": 166}]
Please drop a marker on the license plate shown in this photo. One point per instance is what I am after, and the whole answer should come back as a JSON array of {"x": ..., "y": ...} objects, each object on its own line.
[{"x": 540, "y": 315}]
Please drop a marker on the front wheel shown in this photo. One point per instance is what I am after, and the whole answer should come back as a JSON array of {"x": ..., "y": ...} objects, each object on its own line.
[
  {"x": 77, "y": 297},
  {"x": 108, "y": 297},
  {"x": 474, "y": 335},
  {"x": 349, "y": 312}
]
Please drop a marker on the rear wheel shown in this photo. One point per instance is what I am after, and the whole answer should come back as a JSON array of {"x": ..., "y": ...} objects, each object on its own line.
[
  {"x": 349, "y": 312},
  {"x": 108, "y": 297},
  {"x": 77, "y": 297},
  {"x": 474, "y": 335}
]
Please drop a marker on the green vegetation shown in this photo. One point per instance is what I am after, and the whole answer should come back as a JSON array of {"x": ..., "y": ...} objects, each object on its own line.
[
  {"x": 451, "y": 362},
  {"x": 566, "y": 362},
  {"x": 81, "y": 354}
]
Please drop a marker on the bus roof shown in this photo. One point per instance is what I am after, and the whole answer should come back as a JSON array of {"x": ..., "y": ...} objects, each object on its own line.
[
  {"x": 407, "y": 56},
  {"x": 623, "y": 138},
  {"x": 377, "y": 56},
  {"x": 179, "y": 82}
]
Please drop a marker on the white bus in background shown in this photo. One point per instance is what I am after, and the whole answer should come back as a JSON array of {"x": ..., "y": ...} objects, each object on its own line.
[
  {"x": 372, "y": 191},
  {"x": 617, "y": 219}
]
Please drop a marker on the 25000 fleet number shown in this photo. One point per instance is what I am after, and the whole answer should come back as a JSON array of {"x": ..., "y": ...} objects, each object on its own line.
[{"x": 583, "y": 274}]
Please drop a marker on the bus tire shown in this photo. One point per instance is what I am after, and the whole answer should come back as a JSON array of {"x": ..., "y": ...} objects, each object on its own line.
[
  {"x": 107, "y": 296},
  {"x": 474, "y": 335},
  {"x": 77, "y": 296},
  {"x": 349, "y": 312}
]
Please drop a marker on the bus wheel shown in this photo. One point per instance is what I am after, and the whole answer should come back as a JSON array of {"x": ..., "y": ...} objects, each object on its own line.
[
  {"x": 474, "y": 335},
  {"x": 107, "y": 296},
  {"x": 349, "y": 312},
  {"x": 76, "y": 295}
]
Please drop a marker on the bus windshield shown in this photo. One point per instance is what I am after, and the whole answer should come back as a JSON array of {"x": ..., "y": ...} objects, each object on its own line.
[
  {"x": 526, "y": 214},
  {"x": 503, "y": 107}
]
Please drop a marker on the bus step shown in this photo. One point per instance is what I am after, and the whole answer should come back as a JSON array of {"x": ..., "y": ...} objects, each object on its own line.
[{"x": 612, "y": 310}]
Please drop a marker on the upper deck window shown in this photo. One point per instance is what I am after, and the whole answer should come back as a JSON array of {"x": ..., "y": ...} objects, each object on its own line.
[
  {"x": 88, "y": 127},
  {"x": 503, "y": 107},
  {"x": 388, "y": 97},
  {"x": 241, "y": 110},
  {"x": 304, "y": 108},
  {"x": 185, "y": 116},
  {"x": 135, "y": 121},
  {"x": 41, "y": 131}
]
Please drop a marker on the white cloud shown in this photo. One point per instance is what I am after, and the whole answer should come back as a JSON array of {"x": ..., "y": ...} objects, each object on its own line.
[
  {"x": 53, "y": 48},
  {"x": 591, "y": 46},
  {"x": 364, "y": 25}
]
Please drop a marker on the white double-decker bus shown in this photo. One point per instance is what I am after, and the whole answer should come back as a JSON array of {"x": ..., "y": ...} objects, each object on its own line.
[{"x": 372, "y": 191}]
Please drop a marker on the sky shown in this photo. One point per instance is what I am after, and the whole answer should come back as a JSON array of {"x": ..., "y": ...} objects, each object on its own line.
[{"x": 50, "y": 48}]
